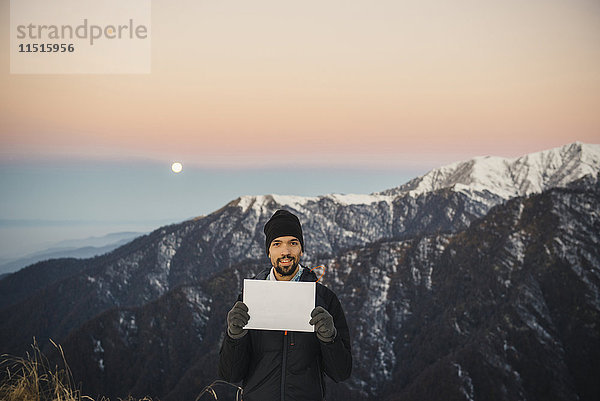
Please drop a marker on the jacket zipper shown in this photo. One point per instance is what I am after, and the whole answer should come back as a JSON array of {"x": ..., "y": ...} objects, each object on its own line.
[{"x": 283, "y": 365}]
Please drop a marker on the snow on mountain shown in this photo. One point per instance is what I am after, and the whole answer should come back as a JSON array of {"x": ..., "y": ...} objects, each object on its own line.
[
  {"x": 257, "y": 203},
  {"x": 486, "y": 179},
  {"x": 510, "y": 177}
]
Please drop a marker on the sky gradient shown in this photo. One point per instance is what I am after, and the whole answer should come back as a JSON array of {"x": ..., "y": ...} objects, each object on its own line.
[{"x": 322, "y": 89}]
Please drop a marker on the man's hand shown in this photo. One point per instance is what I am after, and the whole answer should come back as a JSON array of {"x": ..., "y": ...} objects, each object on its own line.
[
  {"x": 323, "y": 323},
  {"x": 237, "y": 318}
]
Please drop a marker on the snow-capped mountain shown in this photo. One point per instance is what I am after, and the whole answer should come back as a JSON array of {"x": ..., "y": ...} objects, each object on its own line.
[
  {"x": 470, "y": 188},
  {"x": 508, "y": 178},
  {"x": 390, "y": 254}
]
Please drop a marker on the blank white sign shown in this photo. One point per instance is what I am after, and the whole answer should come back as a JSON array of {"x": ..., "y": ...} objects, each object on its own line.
[{"x": 279, "y": 305}]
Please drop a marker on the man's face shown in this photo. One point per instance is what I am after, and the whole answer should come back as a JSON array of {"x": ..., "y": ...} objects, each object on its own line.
[{"x": 285, "y": 253}]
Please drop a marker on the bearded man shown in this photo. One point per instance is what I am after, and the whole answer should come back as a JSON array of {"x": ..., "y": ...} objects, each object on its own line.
[{"x": 286, "y": 365}]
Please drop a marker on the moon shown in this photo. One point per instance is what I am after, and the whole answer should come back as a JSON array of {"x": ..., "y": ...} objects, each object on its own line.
[{"x": 177, "y": 167}]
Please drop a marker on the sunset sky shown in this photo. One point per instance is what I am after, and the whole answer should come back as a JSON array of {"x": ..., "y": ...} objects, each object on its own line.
[{"x": 292, "y": 97}]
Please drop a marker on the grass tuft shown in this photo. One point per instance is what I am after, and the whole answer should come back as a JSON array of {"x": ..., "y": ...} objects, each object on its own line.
[{"x": 32, "y": 378}]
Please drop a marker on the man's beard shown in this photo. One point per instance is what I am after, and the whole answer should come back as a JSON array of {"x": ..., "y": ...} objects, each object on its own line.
[{"x": 286, "y": 271}]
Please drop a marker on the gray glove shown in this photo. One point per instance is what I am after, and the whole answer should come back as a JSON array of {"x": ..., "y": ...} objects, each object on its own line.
[
  {"x": 323, "y": 322},
  {"x": 237, "y": 318}
]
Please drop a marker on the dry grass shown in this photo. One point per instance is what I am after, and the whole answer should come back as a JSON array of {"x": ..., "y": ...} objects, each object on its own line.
[{"x": 33, "y": 379}]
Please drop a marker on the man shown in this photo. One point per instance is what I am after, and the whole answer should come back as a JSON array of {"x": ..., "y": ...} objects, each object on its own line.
[{"x": 277, "y": 365}]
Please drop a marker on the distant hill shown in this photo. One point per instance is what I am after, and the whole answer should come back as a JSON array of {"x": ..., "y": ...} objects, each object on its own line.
[
  {"x": 466, "y": 288},
  {"x": 80, "y": 248}
]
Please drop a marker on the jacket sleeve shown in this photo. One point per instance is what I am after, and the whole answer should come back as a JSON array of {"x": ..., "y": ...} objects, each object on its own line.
[
  {"x": 337, "y": 356},
  {"x": 234, "y": 358}
]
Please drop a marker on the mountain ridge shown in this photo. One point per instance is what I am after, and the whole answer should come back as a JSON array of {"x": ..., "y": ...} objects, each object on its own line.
[
  {"x": 510, "y": 177},
  {"x": 63, "y": 250}
]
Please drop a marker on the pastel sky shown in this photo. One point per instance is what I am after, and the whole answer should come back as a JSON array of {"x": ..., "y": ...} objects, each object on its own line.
[{"x": 330, "y": 90}]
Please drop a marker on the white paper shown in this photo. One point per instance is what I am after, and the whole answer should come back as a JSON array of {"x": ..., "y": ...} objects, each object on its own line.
[{"x": 279, "y": 305}]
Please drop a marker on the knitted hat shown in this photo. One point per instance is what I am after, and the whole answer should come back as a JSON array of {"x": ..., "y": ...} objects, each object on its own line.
[{"x": 281, "y": 224}]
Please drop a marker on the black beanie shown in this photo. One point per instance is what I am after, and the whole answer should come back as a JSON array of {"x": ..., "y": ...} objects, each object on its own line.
[{"x": 283, "y": 223}]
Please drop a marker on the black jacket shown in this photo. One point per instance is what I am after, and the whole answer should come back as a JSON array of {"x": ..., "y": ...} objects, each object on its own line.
[{"x": 273, "y": 365}]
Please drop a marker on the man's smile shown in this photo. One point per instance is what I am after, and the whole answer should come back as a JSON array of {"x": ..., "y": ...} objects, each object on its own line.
[{"x": 286, "y": 261}]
